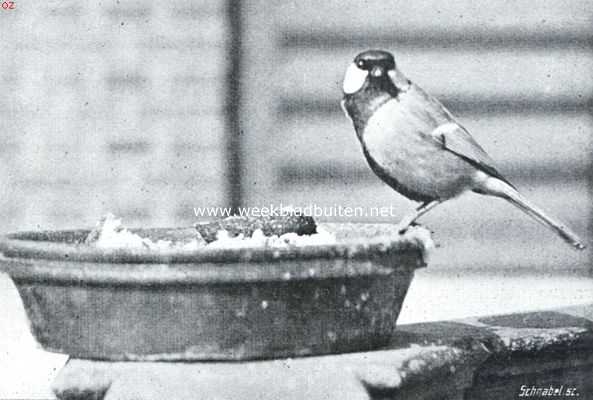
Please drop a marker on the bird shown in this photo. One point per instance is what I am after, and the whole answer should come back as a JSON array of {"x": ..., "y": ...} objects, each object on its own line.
[{"x": 417, "y": 147}]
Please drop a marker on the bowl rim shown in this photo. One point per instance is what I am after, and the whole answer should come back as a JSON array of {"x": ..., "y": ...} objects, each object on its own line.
[
  {"x": 387, "y": 241},
  {"x": 182, "y": 275}
]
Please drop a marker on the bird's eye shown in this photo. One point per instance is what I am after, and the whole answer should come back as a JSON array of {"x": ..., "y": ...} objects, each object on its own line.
[{"x": 361, "y": 64}]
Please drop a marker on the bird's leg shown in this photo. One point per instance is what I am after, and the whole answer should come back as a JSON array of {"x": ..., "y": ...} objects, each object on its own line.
[{"x": 409, "y": 219}]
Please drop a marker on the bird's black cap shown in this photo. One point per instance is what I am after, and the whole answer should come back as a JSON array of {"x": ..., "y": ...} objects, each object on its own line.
[{"x": 370, "y": 58}]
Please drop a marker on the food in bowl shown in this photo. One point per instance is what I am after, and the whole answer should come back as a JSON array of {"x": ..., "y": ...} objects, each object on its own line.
[
  {"x": 267, "y": 225},
  {"x": 110, "y": 233},
  {"x": 232, "y": 232}
]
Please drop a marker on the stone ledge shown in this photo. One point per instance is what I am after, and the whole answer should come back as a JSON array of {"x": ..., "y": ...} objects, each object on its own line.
[{"x": 475, "y": 358}]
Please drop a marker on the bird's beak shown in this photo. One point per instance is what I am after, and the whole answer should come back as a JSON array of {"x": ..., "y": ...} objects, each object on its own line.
[
  {"x": 354, "y": 79},
  {"x": 376, "y": 72}
]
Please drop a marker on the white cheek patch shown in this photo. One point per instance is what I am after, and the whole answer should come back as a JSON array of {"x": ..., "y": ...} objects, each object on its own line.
[{"x": 354, "y": 79}]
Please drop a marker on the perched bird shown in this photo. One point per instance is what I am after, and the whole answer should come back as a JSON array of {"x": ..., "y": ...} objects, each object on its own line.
[{"x": 414, "y": 144}]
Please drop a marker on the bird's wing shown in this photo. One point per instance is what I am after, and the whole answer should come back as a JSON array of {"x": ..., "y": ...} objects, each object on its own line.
[{"x": 457, "y": 140}]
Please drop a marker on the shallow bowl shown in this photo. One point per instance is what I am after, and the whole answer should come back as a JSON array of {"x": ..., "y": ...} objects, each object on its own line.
[{"x": 213, "y": 303}]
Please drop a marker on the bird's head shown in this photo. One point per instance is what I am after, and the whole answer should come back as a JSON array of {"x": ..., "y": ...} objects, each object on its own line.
[{"x": 374, "y": 69}]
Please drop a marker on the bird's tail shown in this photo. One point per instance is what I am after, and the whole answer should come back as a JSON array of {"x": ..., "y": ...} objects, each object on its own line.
[{"x": 496, "y": 187}]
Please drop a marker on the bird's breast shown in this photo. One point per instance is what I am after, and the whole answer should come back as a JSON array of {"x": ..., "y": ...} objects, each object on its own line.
[{"x": 398, "y": 143}]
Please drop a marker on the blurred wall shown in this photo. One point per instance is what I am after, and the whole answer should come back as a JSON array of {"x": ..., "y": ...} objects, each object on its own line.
[
  {"x": 120, "y": 106},
  {"x": 518, "y": 74},
  {"x": 111, "y": 106}
]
